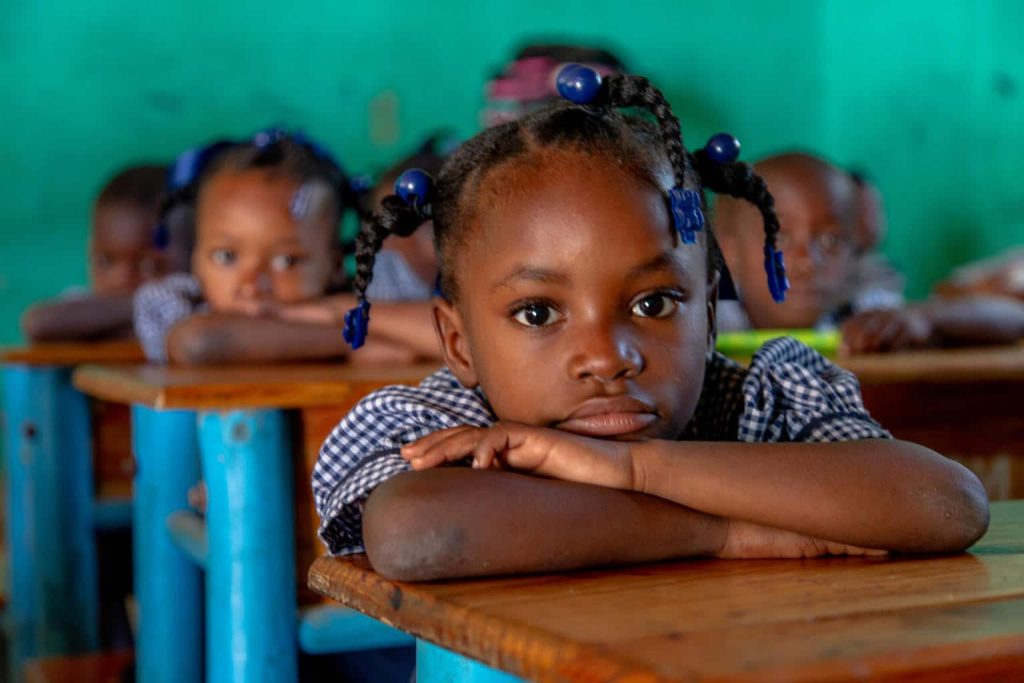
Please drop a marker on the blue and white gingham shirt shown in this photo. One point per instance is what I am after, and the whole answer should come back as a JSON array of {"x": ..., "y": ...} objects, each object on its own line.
[
  {"x": 789, "y": 393},
  {"x": 158, "y": 306}
]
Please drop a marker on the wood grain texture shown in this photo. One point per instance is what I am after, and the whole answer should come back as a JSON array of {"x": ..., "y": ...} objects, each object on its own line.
[
  {"x": 957, "y": 617},
  {"x": 75, "y": 353},
  {"x": 226, "y": 388}
]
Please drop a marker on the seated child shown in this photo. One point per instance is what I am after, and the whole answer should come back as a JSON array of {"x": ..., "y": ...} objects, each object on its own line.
[
  {"x": 581, "y": 383},
  {"x": 818, "y": 209},
  {"x": 121, "y": 257},
  {"x": 875, "y": 283},
  {"x": 266, "y": 268},
  {"x": 1001, "y": 276}
]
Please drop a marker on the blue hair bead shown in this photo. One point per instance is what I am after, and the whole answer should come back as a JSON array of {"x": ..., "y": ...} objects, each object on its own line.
[
  {"x": 577, "y": 83},
  {"x": 775, "y": 267},
  {"x": 414, "y": 187},
  {"x": 723, "y": 148},
  {"x": 687, "y": 216},
  {"x": 357, "y": 320}
]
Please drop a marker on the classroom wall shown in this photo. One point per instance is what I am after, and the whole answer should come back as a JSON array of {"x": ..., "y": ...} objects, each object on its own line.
[{"x": 924, "y": 95}]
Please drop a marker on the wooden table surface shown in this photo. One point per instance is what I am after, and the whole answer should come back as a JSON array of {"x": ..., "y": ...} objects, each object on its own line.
[
  {"x": 949, "y": 618},
  {"x": 74, "y": 353},
  {"x": 225, "y": 388},
  {"x": 996, "y": 363}
]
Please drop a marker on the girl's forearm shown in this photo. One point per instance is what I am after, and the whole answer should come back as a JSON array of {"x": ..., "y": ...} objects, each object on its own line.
[
  {"x": 873, "y": 493},
  {"x": 456, "y": 522},
  {"x": 81, "y": 318}
]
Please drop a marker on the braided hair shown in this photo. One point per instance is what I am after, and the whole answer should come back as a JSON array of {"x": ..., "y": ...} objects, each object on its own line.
[{"x": 652, "y": 150}]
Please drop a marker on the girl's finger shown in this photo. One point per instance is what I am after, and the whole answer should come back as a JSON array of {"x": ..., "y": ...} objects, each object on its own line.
[
  {"x": 418, "y": 447},
  {"x": 455, "y": 444}
]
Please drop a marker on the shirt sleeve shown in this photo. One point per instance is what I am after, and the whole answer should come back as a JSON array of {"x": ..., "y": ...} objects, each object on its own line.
[
  {"x": 362, "y": 452},
  {"x": 792, "y": 393},
  {"x": 158, "y": 306}
]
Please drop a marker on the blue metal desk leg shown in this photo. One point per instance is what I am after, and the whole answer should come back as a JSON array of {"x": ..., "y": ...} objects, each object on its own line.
[
  {"x": 54, "y": 600},
  {"x": 250, "y": 605},
  {"x": 436, "y": 665},
  {"x": 168, "y": 585}
]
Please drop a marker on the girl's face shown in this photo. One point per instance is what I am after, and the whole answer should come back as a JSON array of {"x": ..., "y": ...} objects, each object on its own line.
[
  {"x": 578, "y": 309},
  {"x": 251, "y": 251}
]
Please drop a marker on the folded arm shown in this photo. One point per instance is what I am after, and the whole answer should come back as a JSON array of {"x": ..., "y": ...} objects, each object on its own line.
[{"x": 80, "y": 318}]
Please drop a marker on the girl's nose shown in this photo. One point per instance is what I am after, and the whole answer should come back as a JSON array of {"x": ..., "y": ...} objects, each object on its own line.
[
  {"x": 606, "y": 356},
  {"x": 256, "y": 285}
]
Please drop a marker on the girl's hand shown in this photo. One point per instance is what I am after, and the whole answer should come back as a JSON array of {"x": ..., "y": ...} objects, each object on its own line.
[
  {"x": 325, "y": 311},
  {"x": 746, "y": 540},
  {"x": 889, "y": 330},
  {"x": 547, "y": 452}
]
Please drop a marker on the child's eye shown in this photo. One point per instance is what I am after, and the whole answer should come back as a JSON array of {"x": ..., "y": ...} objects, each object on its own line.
[
  {"x": 536, "y": 315},
  {"x": 223, "y": 257},
  {"x": 655, "y": 306},
  {"x": 104, "y": 260},
  {"x": 283, "y": 262}
]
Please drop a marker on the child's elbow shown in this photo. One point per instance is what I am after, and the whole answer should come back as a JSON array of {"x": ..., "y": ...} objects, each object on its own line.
[
  {"x": 965, "y": 512},
  {"x": 192, "y": 342},
  {"x": 406, "y": 536},
  {"x": 38, "y": 324}
]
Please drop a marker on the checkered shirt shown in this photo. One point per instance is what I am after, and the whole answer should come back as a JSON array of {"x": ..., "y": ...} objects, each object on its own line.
[
  {"x": 789, "y": 393},
  {"x": 158, "y": 306}
]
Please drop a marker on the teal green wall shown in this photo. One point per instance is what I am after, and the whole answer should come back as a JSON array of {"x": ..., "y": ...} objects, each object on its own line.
[{"x": 927, "y": 95}]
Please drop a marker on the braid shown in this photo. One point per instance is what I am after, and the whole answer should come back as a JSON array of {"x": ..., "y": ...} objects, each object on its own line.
[
  {"x": 739, "y": 180},
  {"x": 637, "y": 91},
  {"x": 395, "y": 217}
]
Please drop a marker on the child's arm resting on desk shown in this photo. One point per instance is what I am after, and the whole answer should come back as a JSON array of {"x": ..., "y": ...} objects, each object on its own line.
[
  {"x": 87, "y": 317},
  {"x": 214, "y": 339},
  {"x": 877, "y": 493}
]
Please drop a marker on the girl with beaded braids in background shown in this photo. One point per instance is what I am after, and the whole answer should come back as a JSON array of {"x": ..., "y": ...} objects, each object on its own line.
[
  {"x": 582, "y": 386},
  {"x": 267, "y": 282}
]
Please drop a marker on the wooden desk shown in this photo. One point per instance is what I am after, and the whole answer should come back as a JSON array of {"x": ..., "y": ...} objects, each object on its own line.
[
  {"x": 964, "y": 403},
  {"x": 947, "y": 618},
  {"x": 55, "y": 485},
  {"x": 243, "y": 425}
]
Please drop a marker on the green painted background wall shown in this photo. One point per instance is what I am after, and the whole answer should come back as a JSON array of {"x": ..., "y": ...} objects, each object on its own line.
[{"x": 926, "y": 95}]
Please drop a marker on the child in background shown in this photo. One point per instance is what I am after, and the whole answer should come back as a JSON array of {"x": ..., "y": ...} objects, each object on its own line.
[
  {"x": 267, "y": 265},
  {"x": 527, "y": 83},
  {"x": 818, "y": 208},
  {"x": 577, "y": 326},
  {"x": 121, "y": 257}
]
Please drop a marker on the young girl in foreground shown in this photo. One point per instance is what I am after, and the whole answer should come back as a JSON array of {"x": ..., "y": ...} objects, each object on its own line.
[{"x": 577, "y": 326}]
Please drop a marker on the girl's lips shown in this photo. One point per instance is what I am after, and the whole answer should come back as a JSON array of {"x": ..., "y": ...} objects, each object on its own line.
[
  {"x": 606, "y": 416},
  {"x": 608, "y": 424}
]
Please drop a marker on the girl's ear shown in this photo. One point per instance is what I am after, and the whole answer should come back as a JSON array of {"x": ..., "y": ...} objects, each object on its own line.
[
  {"x": 451, "y": 335},
  {"x": 713, "y": 311}
]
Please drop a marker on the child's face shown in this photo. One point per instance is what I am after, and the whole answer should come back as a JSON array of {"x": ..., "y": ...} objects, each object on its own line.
[
  {"x": 578, "y": 309},
  {"x": 815, "y": 207},
  {"x": 251, "y": 251},
  {"x": 121, "y": 251}
]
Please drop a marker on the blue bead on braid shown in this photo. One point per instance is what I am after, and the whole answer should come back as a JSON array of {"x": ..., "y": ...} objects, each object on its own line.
[
  {"x": 723, "y": 148},
  {"x": 687, "y": 216},
  {"x": 775, "y": 267},
  {"x": 577, "y": 83},
  {"x": 357, "y": 320},
  {"x": 414, "y": 187}
]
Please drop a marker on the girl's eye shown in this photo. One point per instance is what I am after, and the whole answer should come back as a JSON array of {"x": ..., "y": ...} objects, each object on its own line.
[
  {"x": 283, "y": 262},
  {"x": 223, "y": 257},
  {"x": 537, "y": 315},
  {"x": 655, "y": 306}
]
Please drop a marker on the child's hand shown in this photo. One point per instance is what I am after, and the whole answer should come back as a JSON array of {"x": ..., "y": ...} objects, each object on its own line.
[
  {"x": 326, "y": 311},
  {"x": 547, "y": 452},
  {"x": 749, "y": 541},
  {"x": 889, "y": 330}
]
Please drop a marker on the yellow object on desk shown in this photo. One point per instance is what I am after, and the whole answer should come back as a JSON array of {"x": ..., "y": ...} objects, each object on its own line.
[{"x": 740, "y": 346}]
